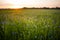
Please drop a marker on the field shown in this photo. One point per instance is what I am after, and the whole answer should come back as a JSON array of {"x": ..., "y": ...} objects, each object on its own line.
[{"x": 29, "y": 24}]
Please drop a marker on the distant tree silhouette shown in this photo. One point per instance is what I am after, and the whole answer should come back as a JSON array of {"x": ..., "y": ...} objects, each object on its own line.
[
  {"x": 57, "y": 7},
  {"x": 45, "y": 7},
  {"x": 41, "y": 8},
  {"x": 25, "y": 7}
]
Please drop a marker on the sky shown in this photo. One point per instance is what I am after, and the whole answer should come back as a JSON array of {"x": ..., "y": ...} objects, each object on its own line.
[{"x": 29, "y": 3}]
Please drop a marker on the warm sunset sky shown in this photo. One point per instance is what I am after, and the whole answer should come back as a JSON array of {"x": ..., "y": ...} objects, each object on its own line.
[{"x": 28, "y": 3}]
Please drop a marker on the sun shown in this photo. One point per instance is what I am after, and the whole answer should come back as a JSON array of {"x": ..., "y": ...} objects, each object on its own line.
[
  {"x": 15, "y": 6},
  {"x": 14, "y": 3}
]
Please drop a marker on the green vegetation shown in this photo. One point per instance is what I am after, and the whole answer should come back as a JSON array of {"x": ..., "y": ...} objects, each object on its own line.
[{"x": 30, "y": 24}]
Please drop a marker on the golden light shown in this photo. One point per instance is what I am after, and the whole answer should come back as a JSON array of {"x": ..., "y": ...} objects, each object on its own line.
[
  {"x": 14, "y": 3},
  {"x": 28, "y": 3},
  {"x": 15, "y": 6}
]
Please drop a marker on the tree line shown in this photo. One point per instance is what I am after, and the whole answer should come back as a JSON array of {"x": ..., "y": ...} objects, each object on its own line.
[{"x": 41, "y": 8}]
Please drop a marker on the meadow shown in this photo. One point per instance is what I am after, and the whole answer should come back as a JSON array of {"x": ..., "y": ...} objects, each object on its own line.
[{"x": 29, "y": 24}]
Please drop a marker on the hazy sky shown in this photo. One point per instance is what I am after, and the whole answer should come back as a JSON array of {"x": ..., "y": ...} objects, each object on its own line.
[{"x": 28, "y": 3}]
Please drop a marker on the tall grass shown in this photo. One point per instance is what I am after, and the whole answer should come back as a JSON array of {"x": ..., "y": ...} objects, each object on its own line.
[{"x": 30, "y": 24}]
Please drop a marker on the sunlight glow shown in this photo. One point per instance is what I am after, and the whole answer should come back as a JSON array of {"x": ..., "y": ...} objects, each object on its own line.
[
  {"x": 29, "y": 3},
  {"x": 15, "y": 2},
  {"x": 15, "y": 6}
]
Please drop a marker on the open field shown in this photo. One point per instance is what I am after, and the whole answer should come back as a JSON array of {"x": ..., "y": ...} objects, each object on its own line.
[{"x": 30, "y": 24}]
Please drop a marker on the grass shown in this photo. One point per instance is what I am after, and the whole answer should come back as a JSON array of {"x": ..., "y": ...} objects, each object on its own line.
[{"x": 30, "y": 24}]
